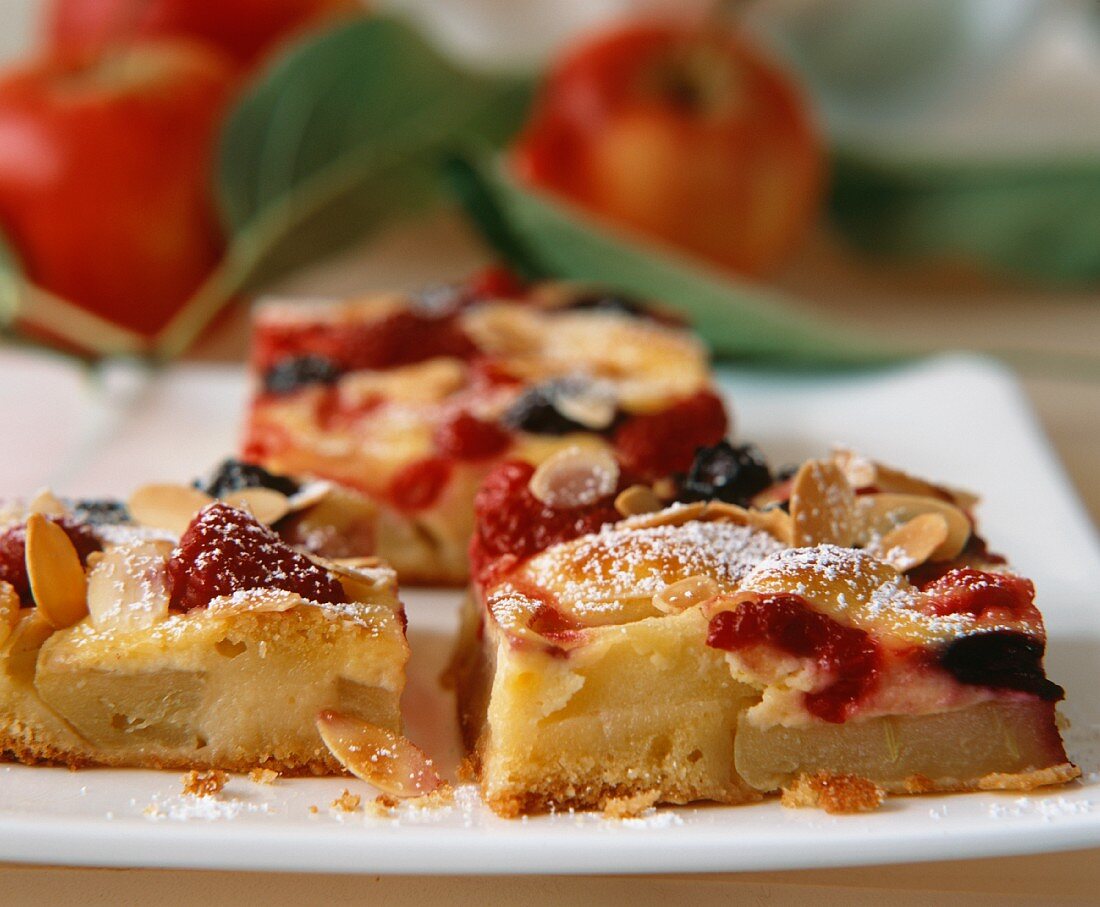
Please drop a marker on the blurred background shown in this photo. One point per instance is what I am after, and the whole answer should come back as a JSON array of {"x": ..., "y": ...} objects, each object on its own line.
[{"x": 844, "y": 182}]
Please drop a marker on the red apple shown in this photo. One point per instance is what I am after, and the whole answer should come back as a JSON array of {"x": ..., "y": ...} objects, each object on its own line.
[
  {"x": 105, "y": 177},
  {"x": 682, "y": 132},
  {"x": 243, "y": 29}
]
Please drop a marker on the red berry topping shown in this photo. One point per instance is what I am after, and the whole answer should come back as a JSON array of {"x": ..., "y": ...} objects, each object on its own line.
[
  {"x": 465, "y": 437},
  {"x": 420, "y": 483},
  {"x": 659, "y": 444},
  {"x": 785, "y": 622},
  {"x": 991, "y": 596},
  {"x": 512, "y": 523},
  {"x": 13, "y": 551},
  {"x": 225, "y": 550},
  {"x": 404, "y": 337},
  {"x": 496, "y": 282}
]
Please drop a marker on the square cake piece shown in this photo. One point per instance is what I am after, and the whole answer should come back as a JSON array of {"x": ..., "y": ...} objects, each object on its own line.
[
  {"x": 837, "y": 635},
  {"x": 216, "y": 649},
  {"x": 408, "y": 400}
]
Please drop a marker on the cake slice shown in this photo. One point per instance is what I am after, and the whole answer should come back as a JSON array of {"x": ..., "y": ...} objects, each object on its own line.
[
  {"x": 839, "y": 634},
  {"x": 409, "y": 400},
  {"x": 219, "y": 649}
]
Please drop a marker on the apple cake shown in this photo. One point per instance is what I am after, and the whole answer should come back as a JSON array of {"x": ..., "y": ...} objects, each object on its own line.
[
  {"x": 215, "y": 647},
  {"x": 409, "y": 400},
  {"x": 836, "y": 633}
]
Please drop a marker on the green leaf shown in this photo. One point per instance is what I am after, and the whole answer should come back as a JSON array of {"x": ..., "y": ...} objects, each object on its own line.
[
  {"x": 11, "y": 283},
  {"x": 544, "y": 238},
  {"x": 1026, "y": 219},
  {"x": 345, "y": 132},
  {"x": 341, "y": 135}
]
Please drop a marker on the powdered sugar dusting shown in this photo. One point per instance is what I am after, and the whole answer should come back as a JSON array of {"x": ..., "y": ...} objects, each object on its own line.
[{"x": 626, "y": 562}]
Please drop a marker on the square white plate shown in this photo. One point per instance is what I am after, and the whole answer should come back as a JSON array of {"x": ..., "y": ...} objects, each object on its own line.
[{"x": 960, "y": 419}]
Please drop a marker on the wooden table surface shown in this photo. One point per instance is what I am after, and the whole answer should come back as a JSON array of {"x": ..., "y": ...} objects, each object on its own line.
[{"x": 1043, "y": 330}]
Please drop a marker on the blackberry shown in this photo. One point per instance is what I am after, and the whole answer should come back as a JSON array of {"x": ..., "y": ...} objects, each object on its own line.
[
  {"x": 233, "y": 475},
  {"x": 1003, "y": 659},
  {"x": 100, "y": 512},
  {"x": 539, "y": 410},
  {"x": 289, "y": 375},
  {"x": 726, "y": 473}
]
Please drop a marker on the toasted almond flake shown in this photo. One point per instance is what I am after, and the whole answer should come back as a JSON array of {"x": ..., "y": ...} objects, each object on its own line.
[
  {"x": 21, "y": 650},
  {"x": 821, "y": 506},
  {"x": 128, "y": 587},
  {"x": 55, "y": 572},
  {"x": 686, "y": 593},
  {"x": 592, "y": 405},
  {"x": 46, "y": 503},
  {"x": 380, "y": 757},
  {"x": 912, "y": 543},
  {"x": 638, "y": 499},
  {"x": 673, "y": 515},
  {"x": 307, "y": 495},
  {"x": 266, "y": 504},
  {"x": 877, "y": 515},
  {"x": 164, "y": 506},
  {"x": 575, "y": 477},
  {"x": 864, "y": 473},
  {"x": 9, "y": 610}
]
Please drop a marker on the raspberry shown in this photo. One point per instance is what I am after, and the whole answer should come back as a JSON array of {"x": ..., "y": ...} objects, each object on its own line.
[
  {"x": 659, "y": 444},
  {"x": 401, "y": 338},
  {"x": 225, "y": 550},
  {"x": 993, "y": 596},
  {"x": 785, "y": 622},
  {"x": 496, "y": 282},
  {"x": 419, "y": 484},
  {"x": 13, "y": 551},
  {"x": 465, "y": 437},
  {"x": 513, "y": 523}
]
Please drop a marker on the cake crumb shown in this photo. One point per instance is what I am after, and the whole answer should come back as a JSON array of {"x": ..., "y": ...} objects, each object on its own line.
[
  {"x": 442, "y": 796},
  {"x": 313, "y": 809},
  {"x": 834, "y": 793},
  {"x": 630, "y": 806},
  {"x": 347, "y": 802},
  {"x": 263, "y": 776},
  {"x": 204, "y": 784},
  {"x": 468, "y": 769},
  {"x": 382, "y": 806}
]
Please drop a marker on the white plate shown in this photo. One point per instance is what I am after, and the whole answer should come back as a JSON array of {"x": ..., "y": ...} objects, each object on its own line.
[{"x": 957, "y": 418}]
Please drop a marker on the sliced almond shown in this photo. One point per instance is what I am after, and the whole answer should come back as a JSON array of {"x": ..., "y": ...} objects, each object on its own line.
[
  {"x": 912, "y": 543},
  {"x": 307, "y": 495},
  {"x": 128, "y": 588},
  {"x": 638, "y": 499},
  {"x": 170, "y": 507},
  {"x": 877, "y": 515},
  {"x": 672, "y": 515},
  {"x": 390, "y": 762},
  {"x": 20, "y": 656},
  {"x": 686, "y": 593},
  {"x": 591, "y": 404},
  {"x": 46, "y": 503},
  {"x": 575, "y": 477},
  {"x": 266, "y": 504},
  {"x": 55, "y": 572},
  {"x": 864, "y": 473},
  {"x": 822, "y": 502},
  {"x": 9, "y": 610}
]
